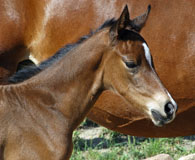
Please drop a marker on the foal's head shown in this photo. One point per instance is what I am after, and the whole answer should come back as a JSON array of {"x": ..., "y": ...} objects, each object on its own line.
[{"x": 129, "y": 71}]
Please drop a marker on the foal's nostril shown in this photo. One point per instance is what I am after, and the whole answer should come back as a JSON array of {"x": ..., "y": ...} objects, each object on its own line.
[{"x": 169, "y": 109}]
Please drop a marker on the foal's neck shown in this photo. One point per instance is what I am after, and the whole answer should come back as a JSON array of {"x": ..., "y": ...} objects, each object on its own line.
[{"x": 75, "y": 81}]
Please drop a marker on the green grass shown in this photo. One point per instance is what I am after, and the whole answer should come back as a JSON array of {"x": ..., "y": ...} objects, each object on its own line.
[{"x": 115, "y": 146}]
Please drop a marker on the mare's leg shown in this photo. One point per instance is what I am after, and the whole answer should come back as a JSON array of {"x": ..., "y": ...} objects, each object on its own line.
[{"x": 9, "y": 61}]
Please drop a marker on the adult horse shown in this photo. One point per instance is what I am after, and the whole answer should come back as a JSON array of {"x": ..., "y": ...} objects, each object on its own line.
[
  {"x": 38, "y": 116},
  {"x": 32, "y": 26}
]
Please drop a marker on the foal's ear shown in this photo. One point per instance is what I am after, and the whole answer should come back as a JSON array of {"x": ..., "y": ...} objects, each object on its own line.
[
  {"x": 120, "y": 24},
  {"x": 138, "y": 23},
  {"x": 124, "y": 22}
]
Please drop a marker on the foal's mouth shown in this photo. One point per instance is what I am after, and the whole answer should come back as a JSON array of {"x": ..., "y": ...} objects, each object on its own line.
[{"x": 160, "y": 120}]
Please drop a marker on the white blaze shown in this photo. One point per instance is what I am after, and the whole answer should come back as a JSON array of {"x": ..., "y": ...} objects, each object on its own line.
[
  {"x": 147, "y": 54},
  {"x": 158, "y": 98}
]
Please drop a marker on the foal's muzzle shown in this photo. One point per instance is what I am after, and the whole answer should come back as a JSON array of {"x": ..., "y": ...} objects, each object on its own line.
[{"x": 169, "y": 109}]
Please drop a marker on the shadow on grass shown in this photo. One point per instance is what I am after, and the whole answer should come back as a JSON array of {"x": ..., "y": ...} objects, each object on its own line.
[
  {"x": 192, "y": 138},
  {"x": 103, "y": 143}
]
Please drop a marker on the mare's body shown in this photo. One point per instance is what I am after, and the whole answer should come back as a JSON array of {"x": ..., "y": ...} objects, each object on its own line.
[{"x": 42, "y": 27}]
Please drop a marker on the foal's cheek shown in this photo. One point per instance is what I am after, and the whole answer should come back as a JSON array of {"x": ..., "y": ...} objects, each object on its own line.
[{"x": 133, "y": 80}]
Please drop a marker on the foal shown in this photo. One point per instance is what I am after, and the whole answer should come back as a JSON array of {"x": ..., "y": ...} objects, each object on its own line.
[{"x": 39, "y": 115}]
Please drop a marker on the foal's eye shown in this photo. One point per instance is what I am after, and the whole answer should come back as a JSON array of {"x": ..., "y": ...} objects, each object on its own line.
[{"x": 131, "y": 64}]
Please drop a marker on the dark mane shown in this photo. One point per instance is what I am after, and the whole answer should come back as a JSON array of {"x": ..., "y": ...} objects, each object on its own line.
[{"x": 31, "y": 71}]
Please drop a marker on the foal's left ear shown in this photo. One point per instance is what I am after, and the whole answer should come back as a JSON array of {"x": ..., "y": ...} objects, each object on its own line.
[
  {"x": 138, "y": 23},
  {"x": 120, "y": 24}
]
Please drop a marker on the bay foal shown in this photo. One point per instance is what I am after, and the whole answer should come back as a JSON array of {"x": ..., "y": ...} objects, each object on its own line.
[
  {"x": 29, "y": 27},
  {"x": 39, "y": 115}
]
